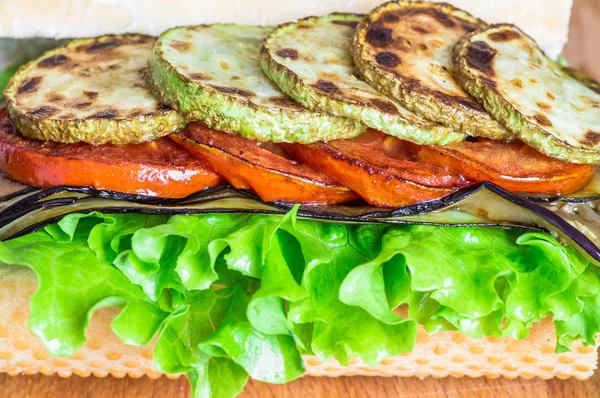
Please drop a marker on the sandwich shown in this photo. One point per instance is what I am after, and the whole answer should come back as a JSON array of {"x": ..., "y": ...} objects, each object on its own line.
[{"x": 402, "y": 189}]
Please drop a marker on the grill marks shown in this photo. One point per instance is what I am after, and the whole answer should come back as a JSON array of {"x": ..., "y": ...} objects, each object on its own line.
[
  {"x": 542, "y": 120},
  {"x": 481, "y": 57},
  {"x": 327, "y": 86},
  {"x": 384, "y": 106},
  {"x": 404, "y": 48},
  {"x": 101, "y": 46},
  {"x": 53, "y": 61},
  {"x": 29, "y": 85},
  {"x": 43, "y": 111},
  {"x": 379, "y": 36},
  {"x": 504, "y": 35},
  {"x": 387, "y": 59},
  {"x": 101, "y": 67},
  {"x": 181, "y": 46},
  {"x": 233, "y": 91},
  {"x": 591, "y": 138},
  {"x": 288, "y": 53}
]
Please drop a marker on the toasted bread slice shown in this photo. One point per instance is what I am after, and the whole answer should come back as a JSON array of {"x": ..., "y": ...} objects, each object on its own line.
[{"x": 438, "y": 355}]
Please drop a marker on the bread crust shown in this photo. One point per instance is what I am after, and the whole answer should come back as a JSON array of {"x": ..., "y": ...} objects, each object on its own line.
[
  {"x": 546, "y": 20},
  {"x": 440, "y": 355}
]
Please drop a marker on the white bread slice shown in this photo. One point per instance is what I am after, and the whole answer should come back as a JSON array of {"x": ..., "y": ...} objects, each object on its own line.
[
  {"x": 545, "y": 20},
  {"x": 439, "y": 355}
]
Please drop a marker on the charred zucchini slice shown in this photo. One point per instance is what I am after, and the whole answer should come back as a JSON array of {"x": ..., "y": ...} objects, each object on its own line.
[
  {"x": 90, "y": 90},
  {"x": 212, "y": 74},
  {"x": 404, "y": 49},
  {"x": 530, "y": 94},
  {"x": 310, "y": 61}
]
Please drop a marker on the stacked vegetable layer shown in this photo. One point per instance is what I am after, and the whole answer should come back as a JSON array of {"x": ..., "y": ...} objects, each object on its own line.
[
  {"x": 233, "y": 296},
  {"x": 402, "y": 107}
]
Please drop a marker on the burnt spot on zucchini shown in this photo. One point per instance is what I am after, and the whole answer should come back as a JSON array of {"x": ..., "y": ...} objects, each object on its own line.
[
  {"x": 289, "y": 53},
  {"x": 379, "y": 36},
  {"x": 505, "y": 35},
  {"x": 387, "y": 59},
  {"x": 43, "y": 111},
  {"x": 233, "y": 91},
  {"x": 542, "y": 120},
  {"x": 181, "y": 46},
  {"x": 518, "y": 83},
  {"x": 391, "y": 47},
  {"x": 420, "y": 29},
  {"x": 544, "y": 106},
  {"x": 102, "y": 46},
  {"x": 82, "y": 105},
  {"x": 54, "y": 97},
  {"x": 481, "y": 57},
  {"x": 592, "y": 138},
  {"x": 53, "y": 61},
  {"x": 30, "y": 85},
  {"x": 384, "y": 106},
  {"x": 566, "y": 129},
  {"x": 199, "y": 76},
  {"x": 326, "y": 80},
  {"x": 327, "y": 86},
  {"x": 283, "y": 101},
  {"x": 90, "y": 94}
]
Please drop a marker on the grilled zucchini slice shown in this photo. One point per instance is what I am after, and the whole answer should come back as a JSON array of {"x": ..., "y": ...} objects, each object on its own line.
[
  {"x": 310, "y": 61},
  {"x": 212, "y": 74},
  {"x": 530, "y": 94},
  {"x": 90, "y": 90},
  {"x": 404, "y": 49}
]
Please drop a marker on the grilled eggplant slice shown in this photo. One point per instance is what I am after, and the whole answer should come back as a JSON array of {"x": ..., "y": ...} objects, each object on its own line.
[
  {"x": 482, "y": 205},
  {"x": 404, "y": 49},
  {"x": 90, "y": 90},
  {"x": 310, "y": 61},
  {"x": 212, "y": 74},
  {"x": 530, "y": 94}
]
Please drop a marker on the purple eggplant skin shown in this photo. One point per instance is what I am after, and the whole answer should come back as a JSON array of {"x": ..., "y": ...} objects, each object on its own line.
[{"x": 26, "y": 202}]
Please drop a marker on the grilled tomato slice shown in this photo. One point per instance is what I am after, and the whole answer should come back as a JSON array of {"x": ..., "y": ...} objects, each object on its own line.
[
  {"x": 261, "y": 166},
  {"x": 157, "y": 168},
  {"x": 380, "y": 168},
  {"x": 513, "y": 165}
]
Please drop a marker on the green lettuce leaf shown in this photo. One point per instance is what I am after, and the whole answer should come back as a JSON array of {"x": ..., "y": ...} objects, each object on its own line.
[
  {"x": 233, "y": 296},
  {"x": 73, "y": 283}
]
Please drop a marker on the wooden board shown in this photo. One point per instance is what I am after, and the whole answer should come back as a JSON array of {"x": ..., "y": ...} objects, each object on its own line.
[
  {"x": 347, "y": 387},
  {"x": 583, "y": 51}
]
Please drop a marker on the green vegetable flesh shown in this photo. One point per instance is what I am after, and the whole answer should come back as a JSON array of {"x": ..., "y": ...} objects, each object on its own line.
[
  {"x": 310, "y": 61},
  {"x": 530, "y": 94},
  {"x": 211, "y": 73},
  {"x": 90, "y": 90},
  {"x": 233, "y": 296}
]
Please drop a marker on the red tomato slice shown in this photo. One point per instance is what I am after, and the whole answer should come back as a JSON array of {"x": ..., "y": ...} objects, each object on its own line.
[
  {"x": 158, "y": 168},
  {"x": 380, "y": 168},
  {"x": 262, "y": 167},
  {"x": 513, "y": 165}
]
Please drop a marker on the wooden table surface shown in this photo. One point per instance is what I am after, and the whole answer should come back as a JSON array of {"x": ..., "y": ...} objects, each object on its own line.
[{"x": 583, "y": 51}]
